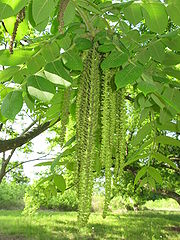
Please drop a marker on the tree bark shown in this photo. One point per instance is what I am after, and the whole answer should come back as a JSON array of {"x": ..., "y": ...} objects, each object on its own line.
[{"x": 14, "y": 143}]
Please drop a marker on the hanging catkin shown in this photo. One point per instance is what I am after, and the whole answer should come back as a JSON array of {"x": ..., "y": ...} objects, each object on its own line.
[
  {"x": 108, "y": 128},
  {"x": 120, "y": 133},
  {"x": 64, "y": 114},
  {"x": 88, "y": 106},
  {"x": 19, "y": 18}
]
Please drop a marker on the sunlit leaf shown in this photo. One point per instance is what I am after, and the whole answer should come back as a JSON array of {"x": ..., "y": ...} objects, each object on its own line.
[{"x": 12, "y": 104}]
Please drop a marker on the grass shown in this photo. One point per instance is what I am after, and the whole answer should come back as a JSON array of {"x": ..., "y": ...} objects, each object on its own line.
[{"x": 46, "y": 225}]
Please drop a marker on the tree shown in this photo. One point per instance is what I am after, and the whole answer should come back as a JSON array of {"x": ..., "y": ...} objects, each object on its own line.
[
  {"x": 17, "y": 141},
  {"x": 92, "y": 58}
]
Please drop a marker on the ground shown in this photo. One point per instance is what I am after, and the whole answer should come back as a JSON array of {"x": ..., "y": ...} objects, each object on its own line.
[{"x": 46, "y": 225}]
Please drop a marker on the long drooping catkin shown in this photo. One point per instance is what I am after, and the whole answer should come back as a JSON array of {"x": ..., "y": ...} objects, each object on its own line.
[
  {"x": 108, "y": 130},
  {"x": 88, "y": 106},
  {"x": 120, "y": 133}
]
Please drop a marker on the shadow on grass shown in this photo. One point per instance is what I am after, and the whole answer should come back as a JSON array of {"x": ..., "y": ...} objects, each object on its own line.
[{"x": 61, "y": 226}]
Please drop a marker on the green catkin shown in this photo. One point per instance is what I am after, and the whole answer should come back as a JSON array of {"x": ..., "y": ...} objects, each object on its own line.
[
  {"x": 120, "y": 133},
  {"x": 108, "y": 127},
  {"x": 100, "y": 129},
  {"x": 65, "y": 115},
  {"x": 88, "y": 105}
]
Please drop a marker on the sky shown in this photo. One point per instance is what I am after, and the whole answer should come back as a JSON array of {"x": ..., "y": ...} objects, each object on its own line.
[{"x": 40, "y": 145}]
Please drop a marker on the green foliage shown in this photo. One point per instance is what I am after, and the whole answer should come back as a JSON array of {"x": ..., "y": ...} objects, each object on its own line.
[
  {"x": 128, "y": 75},
  {"x": 11, "y": 195},
  {"x": 114, "y": 59},
  {"x": 12, "y": 104},
  {"x": 155, "y": 16},
  {"x": 42, "y": 197}
]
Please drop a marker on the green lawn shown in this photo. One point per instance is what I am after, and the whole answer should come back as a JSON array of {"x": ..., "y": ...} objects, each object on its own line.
[{"x": 62, "y": 225}]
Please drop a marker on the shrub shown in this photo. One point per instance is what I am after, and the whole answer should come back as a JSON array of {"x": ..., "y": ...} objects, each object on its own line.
[
  {"x": 11, "y": 195},
  {"x": 38, "y": 197}
]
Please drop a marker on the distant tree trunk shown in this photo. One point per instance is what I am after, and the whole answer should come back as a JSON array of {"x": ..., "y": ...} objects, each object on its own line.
[{"x": 169, "y": 194}]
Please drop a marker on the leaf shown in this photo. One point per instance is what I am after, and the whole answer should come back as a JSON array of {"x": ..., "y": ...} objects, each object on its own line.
[
  {"x": 112, "y": 18},
  {"x": 56, "y": 74},
  {"x": 19, "y": 56},
  {"x": 155, "y": 174},
  {"x": 68, "y": 151},
  {"x": 172, "y": 72},
  {"x": 172, "y": 97},
  {"x": 173, "y": 10},
  {"x": 41, "y": 10},
  {"x": 155, "y": 16},
  {"x": 161, "y": 158},
  {"x": 151, "y": 182},
  {"x": 114, "y": 59},
  {"x": 143, "y": 182},
  {"x": 158, "y": 101},
  {"x": 43, "y": 180},
  {"x": 140, "y": 174},
  {"x": 6, "y": 11},
  {"x": 128, "y": 75},
  {"x": 20, "y": 75},
  {"x": 35, "y": 64},
  {"x": 46, "y": 54},
  {"x": 55, "y": 162},
  {"x": 60, "y": 182},
  {"x": 168, "y": 141},
  {"x": 133, "y": 13},
  {"x": 142, "y": 147},
  {"x": 48, "y": 163},
  {"x": 40, "y": 88},
  {"x": 69, "y": 13},
  {"x": 50, "y": 52},
  {"x": 83, "y": 43},
  {"x": 12, "y": 104},
  {"x": 89, "y": 6},
  {"x": 64, "y": 42},
  {"x": 141, "y": 134},
  {"x": 53, "y": 112},
  {"x": 72, "y": 60},
  {"x": 171, "y": 59},
  {"x": 16, "y": 5},
  {"x": 172, "y": 127},
  {"x": 135, "y": 158},
  {"x": 147, "y": 87},
  {"x": 156, "y": 51},
  {"x": 71, "y": 140},
  {"x": 8, "y": 73},
  {"x": 172, "y": 43},
  {"x": 107, "y": 47},
  {"x": 143, "y": 56}
]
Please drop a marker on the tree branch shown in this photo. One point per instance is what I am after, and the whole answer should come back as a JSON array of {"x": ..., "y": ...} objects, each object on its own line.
[
  {"x": 168, "y": 194},
  {"x": 6, "y": 145}
]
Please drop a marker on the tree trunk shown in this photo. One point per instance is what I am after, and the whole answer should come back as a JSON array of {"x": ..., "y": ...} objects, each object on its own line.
[{"x": 169, "y": 194}]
